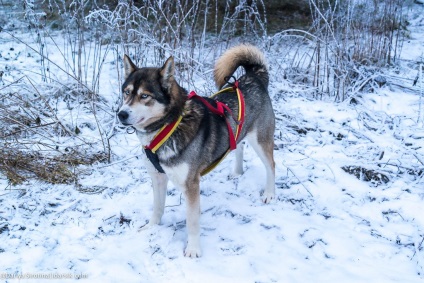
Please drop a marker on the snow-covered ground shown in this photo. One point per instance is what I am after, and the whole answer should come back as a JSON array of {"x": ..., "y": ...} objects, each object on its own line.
[{"x": 326, "y": 225}]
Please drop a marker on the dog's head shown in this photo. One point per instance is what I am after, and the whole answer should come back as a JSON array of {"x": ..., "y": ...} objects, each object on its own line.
[{"x": 150, "y": 95}]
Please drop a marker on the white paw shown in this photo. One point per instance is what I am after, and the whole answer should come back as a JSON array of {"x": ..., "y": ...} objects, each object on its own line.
[
  {"x": 268, "y": 197},
  {"x": 192, "y": 251},
  {"x": 238, "y": 172},
  {"x": 234, "y": 175}
]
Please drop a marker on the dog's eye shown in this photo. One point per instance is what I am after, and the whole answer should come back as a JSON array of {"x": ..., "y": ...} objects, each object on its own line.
[
  {"x": 144, "y": 96},
  {"x": 127, "y": 92}
]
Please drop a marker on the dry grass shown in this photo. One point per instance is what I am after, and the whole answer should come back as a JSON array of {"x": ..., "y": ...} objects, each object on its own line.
[
  {"x": 367, "y": 175},
  {"x": 35, "y": 142},
  {"x": 19, "y": 165}
]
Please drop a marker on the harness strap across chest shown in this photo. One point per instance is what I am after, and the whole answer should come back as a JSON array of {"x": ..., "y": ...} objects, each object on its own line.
[{"x": 220, "y": 109}]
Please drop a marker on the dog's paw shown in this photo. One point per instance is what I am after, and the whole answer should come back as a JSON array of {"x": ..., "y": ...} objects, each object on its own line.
[
  {"x": 192, "y": 251},
  {"x": 237, "y": 172},
  {"x": 233, "y": 175},
  {"x": 268, "y": 197}
]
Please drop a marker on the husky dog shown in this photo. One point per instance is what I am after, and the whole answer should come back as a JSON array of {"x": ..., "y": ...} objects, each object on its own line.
[{"x": 152, "y": 98}]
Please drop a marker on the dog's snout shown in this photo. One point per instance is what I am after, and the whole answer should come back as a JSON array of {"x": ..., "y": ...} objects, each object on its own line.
[{"x": 123, "y": 116}]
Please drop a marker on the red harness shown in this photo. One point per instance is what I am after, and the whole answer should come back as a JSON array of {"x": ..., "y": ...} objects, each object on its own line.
[{"x": 220, "y": 109}]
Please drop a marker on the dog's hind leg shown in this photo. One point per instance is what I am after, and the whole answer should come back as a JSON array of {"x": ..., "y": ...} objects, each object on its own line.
[
  {"x": 238, "y": 164},
  {"x": 264, "y": 147}
]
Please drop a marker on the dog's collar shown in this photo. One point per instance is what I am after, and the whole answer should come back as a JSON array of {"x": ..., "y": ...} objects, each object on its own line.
[
  {"x": 163, "y": 134},
  {"x": 167, "y": 130}
]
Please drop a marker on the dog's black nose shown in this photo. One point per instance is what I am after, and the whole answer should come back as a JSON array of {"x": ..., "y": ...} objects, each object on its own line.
[{"x": 123, "y": 115}]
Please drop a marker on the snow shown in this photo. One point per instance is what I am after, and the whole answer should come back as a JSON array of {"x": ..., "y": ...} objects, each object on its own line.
[{"x": 325, "y": 225}]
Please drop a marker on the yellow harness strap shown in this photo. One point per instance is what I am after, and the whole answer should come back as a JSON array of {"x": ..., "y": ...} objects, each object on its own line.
[
  {"x": 240, "y": 119},
  {"x": 166, "y": 131}
]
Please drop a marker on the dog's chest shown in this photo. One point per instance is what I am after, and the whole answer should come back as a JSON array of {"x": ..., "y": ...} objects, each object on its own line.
[
  {"x": 169, "y": 150},
  {"x": 145, "y": 138}
]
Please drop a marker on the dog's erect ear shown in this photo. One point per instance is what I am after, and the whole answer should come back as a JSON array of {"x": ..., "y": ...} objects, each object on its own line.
[
  {"x": 129, "y": 66},
  {"x": 167, "y": 71}
]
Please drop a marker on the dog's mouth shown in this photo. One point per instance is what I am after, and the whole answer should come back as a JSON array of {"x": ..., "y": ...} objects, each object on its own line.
[
  {"x": 125, "y": 123},
  {"x": 143, "y": 122},
  {"x": 139, "y": 121}
]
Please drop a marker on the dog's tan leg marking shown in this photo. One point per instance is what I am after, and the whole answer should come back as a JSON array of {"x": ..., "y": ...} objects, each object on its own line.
[
  {"x": 192, "y": 195},
  {"x": 189, "y": 184},
  {"x": 238, "y": 164},
  {"x": 264, "y": 150}
]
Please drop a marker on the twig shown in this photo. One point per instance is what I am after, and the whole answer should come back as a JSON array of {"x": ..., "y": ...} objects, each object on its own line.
[
  {"x": 299, "y": 181},
  {"x": 421, "y": 93},
  {"x": 176, "y": 204},
  {"x": 28, "y": 128},
  {"x": 12, "y": 83},
  {"x": 33, "y": 127},
  {"x": 51, "y": 110},
  {"x": 418, "y": 248},
  {"x": 117, "y": 162},
  {"x": 419, "y": 160},
  {"x": 359, "y": 135},
  {"x": 46, "y": 58}
]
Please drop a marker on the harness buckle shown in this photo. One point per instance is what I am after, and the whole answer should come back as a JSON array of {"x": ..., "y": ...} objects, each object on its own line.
[{"x": 227, "y": 80}]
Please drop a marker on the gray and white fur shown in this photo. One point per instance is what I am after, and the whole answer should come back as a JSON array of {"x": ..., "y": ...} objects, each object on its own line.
[{"x": 153, "y": 98}]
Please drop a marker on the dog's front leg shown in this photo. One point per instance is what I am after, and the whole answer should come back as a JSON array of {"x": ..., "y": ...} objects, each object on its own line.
[
  {"x": 188, "y": 182},
  {"x": 238, "y": 164},
  {"x": 192, "y": 195},
  {"x": 159, "y": 182}
]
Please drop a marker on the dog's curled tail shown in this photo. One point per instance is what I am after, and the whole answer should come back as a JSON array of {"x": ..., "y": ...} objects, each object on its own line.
[{"x": 248, "y": 56}]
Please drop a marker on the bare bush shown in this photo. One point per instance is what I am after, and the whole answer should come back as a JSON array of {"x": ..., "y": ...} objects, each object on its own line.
[
  {"x": 347, "y": 44},
  {"x": 35, "y": 135},
  {"x": 195, "y": 32},
  {"x": 333, "y": 58},
  {"x": 36, "y": 142}
]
